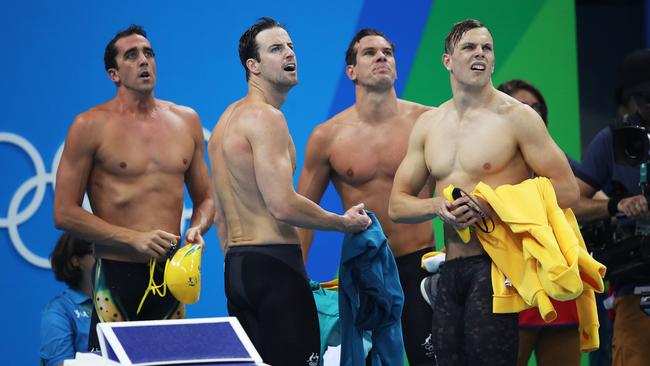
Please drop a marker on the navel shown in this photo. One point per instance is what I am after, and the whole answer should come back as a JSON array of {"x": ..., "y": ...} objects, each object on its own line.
[
  {"x": 184, "y": 161},
  {"x": 122, "y": 165}
]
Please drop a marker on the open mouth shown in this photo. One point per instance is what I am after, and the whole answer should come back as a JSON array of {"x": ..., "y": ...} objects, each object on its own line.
[
  {"x": 145, "y": 74},
  {"x": 478, "y": 67},
  {"x": 290, "y": 67}
]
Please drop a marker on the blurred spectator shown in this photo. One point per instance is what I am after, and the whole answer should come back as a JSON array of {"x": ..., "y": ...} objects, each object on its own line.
[
  {"x": 600, "y": 170},
  {"x": 558, "y": 342},
  {"x": 66, "y": 320}
]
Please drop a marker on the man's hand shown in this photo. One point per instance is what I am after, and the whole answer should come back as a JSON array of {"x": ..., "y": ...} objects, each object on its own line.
[
  {"x": 634, "y": 207},
  {"x": 356, "y": 219},
  {"x": 193, "y": 236},
  {"x": 155, "y": 243},
  {"x": 442, "y": 208},
  {"x": 463, "y": 212}
]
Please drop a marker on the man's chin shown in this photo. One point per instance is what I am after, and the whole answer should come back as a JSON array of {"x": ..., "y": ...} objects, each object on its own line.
[
  {"x": 476, "y": 83},
  {"x": 381, "y": 85},
  {"x": 148, "y": 89},
  {"x": 288, "y": 84}
]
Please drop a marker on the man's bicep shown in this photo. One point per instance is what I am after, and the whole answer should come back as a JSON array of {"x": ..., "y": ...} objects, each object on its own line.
[
  {"x": 272, "y": 163},
  {"x": 412, "y": 174},
  {"x": 315, "y": 173},
  {"x": 197, "y": 177},
  {"x": 74, "y": 168},
  {"x": 546, "y": 159},
  {"x": 71, "y": 182},
  {"x": 540, "y": 151}
]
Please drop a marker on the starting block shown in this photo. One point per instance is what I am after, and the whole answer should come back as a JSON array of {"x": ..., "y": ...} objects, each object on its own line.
[{"x": 200, "y": 341}]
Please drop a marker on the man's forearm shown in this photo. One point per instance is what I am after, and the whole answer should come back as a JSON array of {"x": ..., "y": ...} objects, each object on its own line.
[
  {"x": 203, "y": 215},
  {"x": 299, "y": 211},
  {"x": 82, "y": 223},
  {"x": 589, "y": 209},
  {"x": 407, "y": 209}
]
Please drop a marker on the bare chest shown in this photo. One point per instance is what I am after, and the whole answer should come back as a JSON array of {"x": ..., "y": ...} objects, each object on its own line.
[
  {"x": 475, "y": 149},
  {"x": 358, "y": 156},
  {"x": 134, "y": 148}
]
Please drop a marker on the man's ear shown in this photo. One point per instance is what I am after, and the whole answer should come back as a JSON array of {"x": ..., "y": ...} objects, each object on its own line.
[
  {"x": 253, "y": 66},
  {"x": 350, "y": 72},
  {"x": 446, "y": 61},
  {"x": 112, "y": 74}
]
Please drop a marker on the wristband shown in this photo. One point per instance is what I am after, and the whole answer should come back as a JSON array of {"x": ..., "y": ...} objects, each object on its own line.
[{"x": 612, "y": 205}]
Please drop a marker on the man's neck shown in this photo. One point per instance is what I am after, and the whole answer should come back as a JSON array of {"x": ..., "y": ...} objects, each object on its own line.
[
  {"x": 375, "y": 106},
  {"x": 467, "y": 98},
  {"x": 271, "y": 94},
  {"x": 135, "y": 102}
]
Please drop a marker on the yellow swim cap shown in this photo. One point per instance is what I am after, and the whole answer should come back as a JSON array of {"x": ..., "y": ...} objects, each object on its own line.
[{"x": 183, "y": 274}]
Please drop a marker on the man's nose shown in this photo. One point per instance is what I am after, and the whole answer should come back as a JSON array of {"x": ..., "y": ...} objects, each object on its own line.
[
  {"x": 142, "y": 59},
  {"x": 290, "y": 53}
]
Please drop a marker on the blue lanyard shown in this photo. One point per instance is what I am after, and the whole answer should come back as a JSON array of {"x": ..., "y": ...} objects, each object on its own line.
[{"x": 643, "y": 179}]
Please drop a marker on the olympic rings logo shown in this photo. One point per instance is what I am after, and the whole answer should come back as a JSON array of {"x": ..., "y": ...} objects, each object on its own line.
[{"x": 39, "y": 183}]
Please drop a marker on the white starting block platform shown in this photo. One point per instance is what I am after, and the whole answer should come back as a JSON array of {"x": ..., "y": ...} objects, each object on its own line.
[{"x": 201, "y": 341}]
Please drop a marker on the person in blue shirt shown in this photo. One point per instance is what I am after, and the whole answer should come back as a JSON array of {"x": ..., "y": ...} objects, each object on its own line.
[
  {"x": 601, "y": 171},
  {"x": 66, "y": 319}
]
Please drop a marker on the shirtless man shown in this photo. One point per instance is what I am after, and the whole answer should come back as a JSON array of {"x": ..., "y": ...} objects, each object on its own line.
[
  {"x": 132, "y": 156},
  {"x": 253, "y": 159},
  {"x": 483, "y": 135},
  {"x": 383, "y": 123}
]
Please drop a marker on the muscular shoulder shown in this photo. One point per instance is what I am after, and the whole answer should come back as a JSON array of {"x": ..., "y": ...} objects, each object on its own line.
[
  {"x": 432, "y": 116},
  {"x": 254, "y": 118},
  {"x": 328, "y": 129},
  {"x": 186, "y": 113},
  {"x": 423, "y": 126},
  {"x": 413, "y": 110},
  {"x": 518, "y": 114},
  {"x": 93, "y": 119}
]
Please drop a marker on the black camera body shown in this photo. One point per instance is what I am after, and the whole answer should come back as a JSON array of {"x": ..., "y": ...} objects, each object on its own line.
[
  {"x": 631, "y": 144},
  {"x": 627, "y": 257},
  {"x": 627, "y": 254},
  {"x": 625, "y": 248}
]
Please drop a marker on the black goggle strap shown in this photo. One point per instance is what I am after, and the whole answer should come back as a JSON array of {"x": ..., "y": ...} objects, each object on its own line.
[{"x": 485, "y": 218}]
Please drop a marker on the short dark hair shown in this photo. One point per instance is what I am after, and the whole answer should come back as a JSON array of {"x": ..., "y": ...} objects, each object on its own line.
[
  {"x": 636, "y": 76},
  {"x": 457, "y": 31},
  {"x": 111, "y": 51},
  {"x": 68, "y": 246},
  {"x": 512, "y": 86},
  {"x": 248, "y": 47},
  {"x": 351, "y": 52}
]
